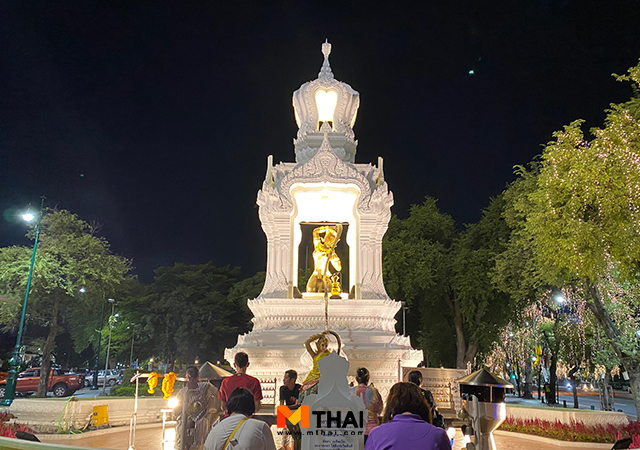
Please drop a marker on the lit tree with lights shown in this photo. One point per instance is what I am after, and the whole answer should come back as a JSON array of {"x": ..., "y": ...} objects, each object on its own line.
[
  {"x": 582, "y": 222},
  {"x": 563, "y": 329}
]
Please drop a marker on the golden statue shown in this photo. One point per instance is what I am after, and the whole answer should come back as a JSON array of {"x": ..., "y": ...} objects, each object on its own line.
[
  {"x": 335, "y": 285},
  {"x": 310, "y": 384},
  {"x": 325, "y": 239}
]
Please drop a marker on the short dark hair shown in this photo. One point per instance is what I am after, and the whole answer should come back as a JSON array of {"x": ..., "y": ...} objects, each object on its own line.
[
  {"x": 292, "y": 374},
  {"x": 241, "y": 359},
  {"x": 415, "y": 377},
  {"x": 193, "y": 371},
  {"x": 241, "y": 401},
  {"x": 362, "y": 375},
  {"x": 406, "y": 397}
]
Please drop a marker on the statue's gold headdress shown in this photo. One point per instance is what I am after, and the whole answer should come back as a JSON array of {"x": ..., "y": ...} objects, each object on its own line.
[{"x": 322, "y": 339}]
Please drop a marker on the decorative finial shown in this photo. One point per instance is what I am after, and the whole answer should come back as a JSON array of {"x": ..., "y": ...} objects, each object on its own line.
[
  {"x": 325, "y": 71},
  {"x": 326, "y": 129},
  {"x": 326, "y": 49}
]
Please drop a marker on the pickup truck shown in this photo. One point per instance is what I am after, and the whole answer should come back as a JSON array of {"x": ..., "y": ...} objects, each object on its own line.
[{"x": 60, "y": 384}]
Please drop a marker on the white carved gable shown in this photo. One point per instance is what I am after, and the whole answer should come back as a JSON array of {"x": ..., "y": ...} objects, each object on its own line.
[{"x": 324, "y": 167}]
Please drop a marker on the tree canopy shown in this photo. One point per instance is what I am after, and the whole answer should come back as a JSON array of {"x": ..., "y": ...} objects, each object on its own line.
[
  {"x": 444, "y": 276},
  {"x": 189, "y": 312},
  {"x": 578, "y": 209},
  {"x": 70, "y": 256}
]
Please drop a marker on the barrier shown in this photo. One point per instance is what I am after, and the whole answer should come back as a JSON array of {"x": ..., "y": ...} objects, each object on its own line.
[
  {"x": 17, "y": 444},
  {"x": 43, "y": 415}
]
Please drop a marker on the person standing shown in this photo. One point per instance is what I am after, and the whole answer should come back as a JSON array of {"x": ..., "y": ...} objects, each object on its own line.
[
  {"x": 371, "y": 398},
  {"x": 240, "y": 379},
  {"x": 415, "y": 377},
  {"x": 239, "y": 431},
  {"x": 289, "y": 393},
  {"x": 198, "y": 402}
]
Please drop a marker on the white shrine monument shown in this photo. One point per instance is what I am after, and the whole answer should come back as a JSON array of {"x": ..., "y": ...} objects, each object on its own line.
[{"x": 325, "y": 192}]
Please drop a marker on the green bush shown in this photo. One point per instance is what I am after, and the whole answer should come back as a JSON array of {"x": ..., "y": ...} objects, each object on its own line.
[
  {"x": 126, "y": 377},
  {"x": 123, "y": 391}
]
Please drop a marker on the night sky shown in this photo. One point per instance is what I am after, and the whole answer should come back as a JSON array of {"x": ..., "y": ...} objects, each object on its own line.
[{"x": 155, "y": 119}]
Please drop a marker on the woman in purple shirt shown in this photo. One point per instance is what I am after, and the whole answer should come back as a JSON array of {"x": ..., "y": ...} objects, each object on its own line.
[{"x": 407, "y": 424}]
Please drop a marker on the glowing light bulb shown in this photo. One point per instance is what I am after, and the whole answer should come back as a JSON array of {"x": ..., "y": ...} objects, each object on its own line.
[{"x": 326, "y": 102}]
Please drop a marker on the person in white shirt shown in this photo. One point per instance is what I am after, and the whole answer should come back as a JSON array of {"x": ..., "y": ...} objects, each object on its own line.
[{"x": 239, "y": 431}]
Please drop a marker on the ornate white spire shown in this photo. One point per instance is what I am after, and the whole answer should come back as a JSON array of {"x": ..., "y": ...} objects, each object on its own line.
[
  {"x": 323, "y": 100},
  {"x": 325, "y": 71}
]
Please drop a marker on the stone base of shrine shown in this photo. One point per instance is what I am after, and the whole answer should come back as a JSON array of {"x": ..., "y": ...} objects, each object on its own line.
[{"x": 366, "y": 328}]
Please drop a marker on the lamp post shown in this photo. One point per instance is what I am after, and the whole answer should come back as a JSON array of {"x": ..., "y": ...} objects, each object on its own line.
[
  {"x": 106, "y": 365},
  {"x": 133, "y": 335},
  {"x": 404, "y": 309},
  {"x": 10, "y": 389},
  {"x": 94, "y": 385}
]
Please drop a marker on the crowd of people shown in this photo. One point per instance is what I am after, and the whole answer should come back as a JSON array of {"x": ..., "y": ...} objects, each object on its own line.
[{"x": 409, "y": 420}]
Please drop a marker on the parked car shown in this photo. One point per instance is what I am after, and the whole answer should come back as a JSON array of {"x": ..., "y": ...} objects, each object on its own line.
[
  {"x": 60, "y": 384},
  {"x": 620, "y": 384},
  {"x": 112, "y": 378}
]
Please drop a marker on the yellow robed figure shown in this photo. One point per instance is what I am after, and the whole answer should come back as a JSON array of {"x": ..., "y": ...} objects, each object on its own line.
[{"x": 325, "y": 239}]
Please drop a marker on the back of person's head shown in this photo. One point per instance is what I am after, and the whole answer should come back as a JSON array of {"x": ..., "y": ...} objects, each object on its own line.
[
  {"x": 292, "y": 374},
  {"x": 415, "y": 377},
  {"x": 241, "y": 359},
  {"x": 241, "y": 401},
  {"x": 362, "y": 375},
  {"x": 406, "y": 397},
  {"x": 192, "y": 371}
]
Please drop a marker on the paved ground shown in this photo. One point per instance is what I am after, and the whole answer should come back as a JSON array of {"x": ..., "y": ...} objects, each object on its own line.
[
  {"x": 149, "y": 438},
  {"x": 623, "y": 400}
]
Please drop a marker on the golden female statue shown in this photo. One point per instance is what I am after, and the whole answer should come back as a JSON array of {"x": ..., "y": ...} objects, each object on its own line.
[
  {"x": 310, "y": 384},
  {"x": 325, "y": 239}
]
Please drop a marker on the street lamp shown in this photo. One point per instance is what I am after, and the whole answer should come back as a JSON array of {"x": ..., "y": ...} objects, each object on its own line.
[
  {"x": 94, "y": 384},
  {"x": 106, "y": 365},
  {"x": 133, "y": 335},
  {"x": 404, "y": 309},
  {"x": 10, "y": 389}
]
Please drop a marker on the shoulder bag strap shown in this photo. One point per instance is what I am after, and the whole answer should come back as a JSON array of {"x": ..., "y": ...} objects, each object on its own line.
[{"x": 234, "y": 432}]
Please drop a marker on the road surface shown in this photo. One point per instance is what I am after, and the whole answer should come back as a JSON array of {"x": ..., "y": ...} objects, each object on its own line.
[{"x": 623, "y": 401}]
